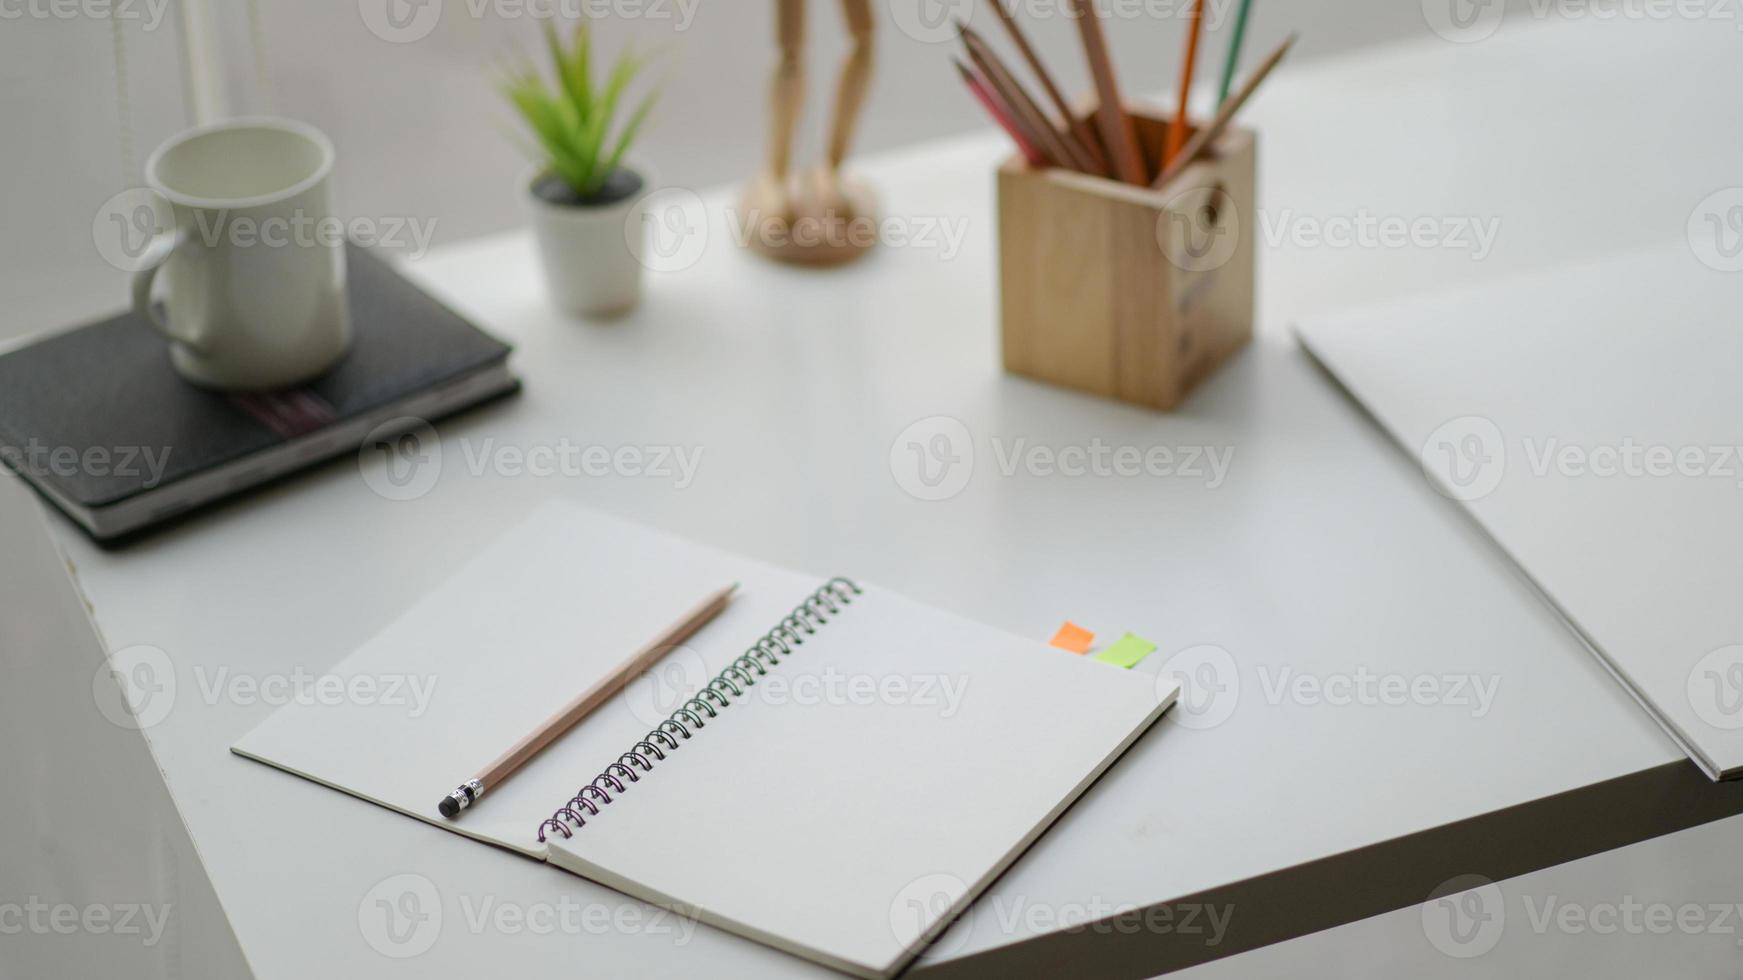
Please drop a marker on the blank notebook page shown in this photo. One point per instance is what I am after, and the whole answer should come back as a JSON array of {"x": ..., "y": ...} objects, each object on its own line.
[
  {"x": 549, "y": 608},
  {"x": 854, "y": 799}
]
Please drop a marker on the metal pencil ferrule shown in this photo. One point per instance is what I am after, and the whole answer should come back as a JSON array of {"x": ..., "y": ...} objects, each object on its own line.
[{"x": 467, "y": 793}]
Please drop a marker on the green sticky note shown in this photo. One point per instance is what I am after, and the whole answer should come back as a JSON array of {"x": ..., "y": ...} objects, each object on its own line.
[{"x": 1128, "y": 651}]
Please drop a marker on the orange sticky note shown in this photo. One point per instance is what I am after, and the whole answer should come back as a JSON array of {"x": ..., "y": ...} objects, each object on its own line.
[{"x": 1073, "y": 637}]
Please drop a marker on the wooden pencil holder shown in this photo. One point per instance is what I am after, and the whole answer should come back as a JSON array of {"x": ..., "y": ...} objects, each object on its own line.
[{"x": 1128, "y": 292}]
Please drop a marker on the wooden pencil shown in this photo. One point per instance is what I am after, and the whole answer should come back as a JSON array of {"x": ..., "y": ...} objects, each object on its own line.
[
  {"x": 1058, "y": 145},
  {"x": 1118, "y": 133},
  {"x": 1001, "y": 115},
  {"x": 584, "y": 704},
  {"x": 1210, "y": 132},
  {"x": 1079, "y": 128},
  {"x": 1177, "y": 131}
]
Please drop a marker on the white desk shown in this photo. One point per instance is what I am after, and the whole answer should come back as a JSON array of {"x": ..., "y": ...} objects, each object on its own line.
[{"x": 1324, "y": 552}]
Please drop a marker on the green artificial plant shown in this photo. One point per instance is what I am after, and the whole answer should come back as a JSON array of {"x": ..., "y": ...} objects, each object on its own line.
[{"x": 571, "y": 115}]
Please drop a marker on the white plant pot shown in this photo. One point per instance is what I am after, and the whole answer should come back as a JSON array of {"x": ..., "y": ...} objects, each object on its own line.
[{"x": 590, "y": 267}]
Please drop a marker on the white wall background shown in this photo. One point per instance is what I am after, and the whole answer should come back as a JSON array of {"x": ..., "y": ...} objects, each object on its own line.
[
  {"x": 69, "y": 144},
  {"x": 422, "y": 126},
  {"x": 422, "y": 133}
]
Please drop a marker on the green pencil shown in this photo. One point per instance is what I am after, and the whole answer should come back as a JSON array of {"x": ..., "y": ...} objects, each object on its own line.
[{"x": 1222, "y": 92}]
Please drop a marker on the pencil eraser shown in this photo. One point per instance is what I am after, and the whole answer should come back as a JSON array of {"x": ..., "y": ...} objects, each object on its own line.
[{"x": 449, "y": 807}]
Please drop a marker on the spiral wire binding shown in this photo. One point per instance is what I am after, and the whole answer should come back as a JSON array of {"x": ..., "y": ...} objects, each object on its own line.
[{"x": 787, "y": 636}]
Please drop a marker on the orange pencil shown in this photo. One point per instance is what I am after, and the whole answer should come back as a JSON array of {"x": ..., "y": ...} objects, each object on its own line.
[
  {"x": 1177, "y": 131},
  {"x": 1224, "y": 115}
]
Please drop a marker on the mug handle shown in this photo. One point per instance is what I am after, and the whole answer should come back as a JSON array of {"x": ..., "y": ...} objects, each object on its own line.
[{"x": 156, "y": 254}]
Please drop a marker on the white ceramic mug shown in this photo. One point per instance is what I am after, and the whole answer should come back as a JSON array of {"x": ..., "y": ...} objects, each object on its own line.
[{"x": 255, "y": 266}]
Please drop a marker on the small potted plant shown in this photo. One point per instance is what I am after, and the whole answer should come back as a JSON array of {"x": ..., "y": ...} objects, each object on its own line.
[{"x": 583, "y": 199}]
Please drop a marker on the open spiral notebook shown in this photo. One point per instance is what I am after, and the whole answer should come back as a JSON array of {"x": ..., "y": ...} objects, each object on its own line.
[{"x": 844, "y": 804}]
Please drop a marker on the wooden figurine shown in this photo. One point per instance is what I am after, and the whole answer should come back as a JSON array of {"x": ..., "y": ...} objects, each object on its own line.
[{"x": 819, "y": 216}]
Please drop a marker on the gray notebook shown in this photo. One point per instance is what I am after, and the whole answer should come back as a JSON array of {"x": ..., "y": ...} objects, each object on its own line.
[
  {"x": 1590, "y": 418},
  {"x": 843, "y": 802},
  {"x": 100, "y": 423}
]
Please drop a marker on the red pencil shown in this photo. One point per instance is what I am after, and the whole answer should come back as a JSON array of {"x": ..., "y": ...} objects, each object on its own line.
[
  {"x": 1001, "y": 115},
  {"x": 1177, "y": 131}
]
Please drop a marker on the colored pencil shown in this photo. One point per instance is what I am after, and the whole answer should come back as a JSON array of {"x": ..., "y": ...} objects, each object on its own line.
[
  {"x": 1000, "y": 115},
  {"x": 1057, "y": 145},
  {"x": 585, "y": 703},
  {"x": 1203, "y": 137},
  {"x": 1118, "y": 133},
  {"x": 1086, "y": 139},
  {"x": 1229, "y": 64},
  {"x": 1177, "y": 131}
]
